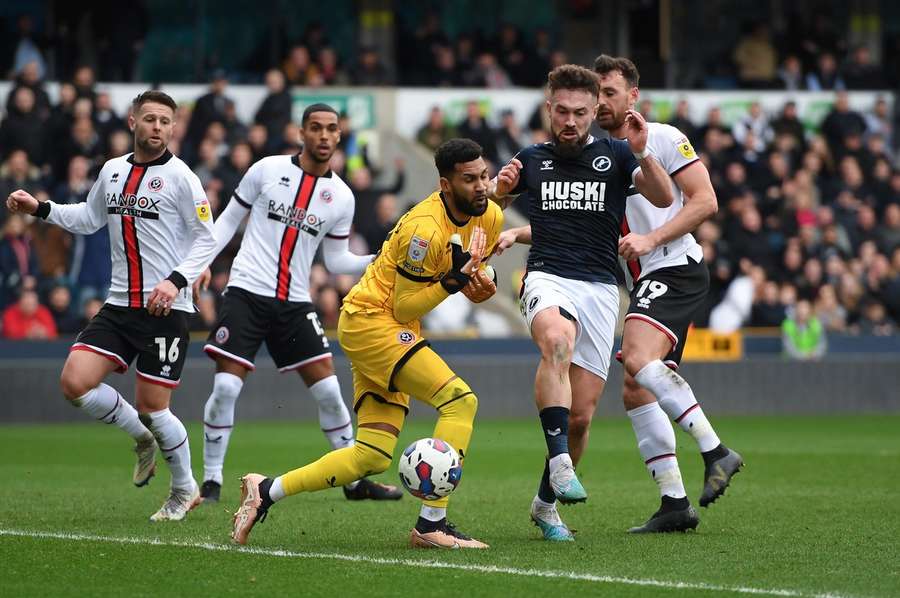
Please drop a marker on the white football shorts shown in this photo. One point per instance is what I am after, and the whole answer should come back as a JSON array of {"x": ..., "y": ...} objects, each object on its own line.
[{"x": 594, "y": 305}]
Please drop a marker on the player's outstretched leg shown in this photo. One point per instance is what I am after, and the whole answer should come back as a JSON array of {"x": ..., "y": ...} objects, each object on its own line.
[
  {"x": 656, "y": 443},
  {"x": 218, "y": 424},
  {"x": 554, "y": 335},
  {"x": 81, "y": 384},
  {"x": 456, "y": 405},
  {"x": 371, "y": 454},
  {"x": 677, "y": 399},
  {"x": 544, "y": 514},
  {"x": 336, "y": 424}
]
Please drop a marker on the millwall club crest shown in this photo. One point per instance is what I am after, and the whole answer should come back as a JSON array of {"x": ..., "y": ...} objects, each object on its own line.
[
  {"x": 325, "y": 196},
  {"x": 601, "y": 163},
  {"x": 155, "y": 184}
]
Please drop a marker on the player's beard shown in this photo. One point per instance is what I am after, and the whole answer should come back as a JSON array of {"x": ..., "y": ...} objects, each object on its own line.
[
  {"x": 469, "y": 206},
  {"x": 569, "y": 149},
  {"x": 146, "y": 148}
]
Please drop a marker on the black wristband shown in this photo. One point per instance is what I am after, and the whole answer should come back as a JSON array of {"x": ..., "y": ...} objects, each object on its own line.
[
  {"x": 43, "y": 210},
  {"x": 177, "y": 279},
  {"x": 454, "y": 282}
]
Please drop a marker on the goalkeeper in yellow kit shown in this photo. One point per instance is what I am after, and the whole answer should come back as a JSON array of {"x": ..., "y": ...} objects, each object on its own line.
[{"x": 420, "y": 264}]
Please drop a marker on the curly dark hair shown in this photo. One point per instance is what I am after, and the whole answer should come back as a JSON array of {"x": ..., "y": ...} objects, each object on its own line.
[
  {"x": 606, "y": 64},
  {"x": 572, "y": 76},
  {"x": 453, "y": 152}
]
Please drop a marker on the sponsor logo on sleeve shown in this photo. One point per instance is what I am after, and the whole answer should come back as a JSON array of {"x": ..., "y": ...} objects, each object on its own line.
[
  {"x": 685, "y": 148},
  {"x": 203, "y": 210},
  {"x": 418, "y": 248}
]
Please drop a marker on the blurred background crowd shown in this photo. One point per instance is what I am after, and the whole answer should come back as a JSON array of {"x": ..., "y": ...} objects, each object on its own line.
[{"x": 808, "y": 226}]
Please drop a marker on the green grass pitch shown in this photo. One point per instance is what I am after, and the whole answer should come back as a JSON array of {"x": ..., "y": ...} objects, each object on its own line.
[{"x": 816, "y": 511}]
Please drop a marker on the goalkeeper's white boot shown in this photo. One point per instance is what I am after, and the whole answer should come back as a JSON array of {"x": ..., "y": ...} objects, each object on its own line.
[
  {"x": 145, "y": 467},
  {"x": 177, "y": 506}
]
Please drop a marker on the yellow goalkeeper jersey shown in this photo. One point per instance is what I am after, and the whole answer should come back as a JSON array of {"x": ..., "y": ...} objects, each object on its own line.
[{"x": 418, "y": 248}]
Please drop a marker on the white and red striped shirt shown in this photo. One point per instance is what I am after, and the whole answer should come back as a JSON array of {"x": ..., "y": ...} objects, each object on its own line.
[
  {"x": 159, "y": 221},
  {"x": 291, "y": 212},
  {"x": 674, "y": 152}
]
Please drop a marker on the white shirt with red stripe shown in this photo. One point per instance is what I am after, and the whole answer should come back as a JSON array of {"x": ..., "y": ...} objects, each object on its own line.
[
  {"x": 291, "y": 212},
  {"x": 674, "y": 152},
  {"x": 159, "y": 221}
]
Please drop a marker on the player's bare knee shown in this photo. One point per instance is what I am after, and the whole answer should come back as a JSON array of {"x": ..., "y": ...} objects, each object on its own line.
[
  {"x": 579, "y": 424},
  {"x": 73, "y": 386},
  {"x": 556, "y": 348},
  {"x": 632, "y": 397},
  {"x": 634, "y": 360}
]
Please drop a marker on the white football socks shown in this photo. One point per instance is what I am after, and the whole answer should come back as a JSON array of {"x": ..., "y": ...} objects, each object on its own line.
[
  {"x": 276, "y": 490},
  {"x": 172, "y": 439},
  {"x": 334, "y": 418},
  {"x": 218, "y": 423},
  {"x": 104, "y": 403},
  {"x": 656, "y": 443},
  {"x": 677, "y": 399}
]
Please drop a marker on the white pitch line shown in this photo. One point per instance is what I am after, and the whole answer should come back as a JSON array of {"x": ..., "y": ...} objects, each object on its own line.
[{"x": 357, "y": 558}]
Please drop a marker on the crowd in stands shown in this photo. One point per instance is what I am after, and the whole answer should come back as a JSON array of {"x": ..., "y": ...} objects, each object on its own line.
[{"x": 804, "y": 216}]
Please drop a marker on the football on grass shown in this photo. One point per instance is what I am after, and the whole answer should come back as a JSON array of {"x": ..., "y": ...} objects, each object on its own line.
[{"x": 430, "y": 468}]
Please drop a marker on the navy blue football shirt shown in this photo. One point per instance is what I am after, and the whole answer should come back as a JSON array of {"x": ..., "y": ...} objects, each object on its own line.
[{"x": 576, "y": 206}]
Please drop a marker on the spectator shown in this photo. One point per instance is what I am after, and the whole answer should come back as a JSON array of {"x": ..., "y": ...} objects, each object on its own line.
[
  {"x": 370, "y": 70},
  {"x": 444, "y": 73},
  {"x": 18, "y": 262},
  {"x": 887, "y": 235},
  {"x": 755, "y": 123},
  {"x": 861, "y": 73},
  {"x": 367, "y": 195},
  {"x": 788, "y": 123},
  {"x": 91, "y": 308},
  {"x": 825, "y": 76},
  {"x": 878, "y": 122},
  {"x": 512, "y": 55},
  {"x": 27, "y": 319},
  {"x": 82, "y": 141},
  {"x": 436, "y": 131},
  {"x": 275, "y": 111},
  {"x": 488, "y": 73},
  {"x": 60, "y": 306},
  {"x": 61, "y": 116},
  {"x": 510, "y": 137},
  {"x": 23, "y": 127},
  {"x": 18, "y": 173},
  {"x": 106, "y": 121},
  {"x": 208, "y": 108},
  {"x": 84, "y": 82},
  {"x": 874, "y": 320},
  {"x": 376, "y": 230},
  {"x": 30, "y": 77},
  {"x": 829, "y": 311},
  {"x": 27, "y": 48},
  {"x": 842, "y": 122},
  {"x": 298, "y": 67},
  {"x": 258, "y": 138},
  {"x": 756, "y": 58},
  {"x": 235, "y": 130},
  {"x": 475, "y": 127},
  {"x": 802, "y": 334},
  {"x": 330, "y": 70},
  {"x": 791, "y": 74},
  {"x": 681, "y": 119},
  {"x": 118, "y": 144},
  {"x": 232, "y": 171},
  {"x": 768, "y": 310}
]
